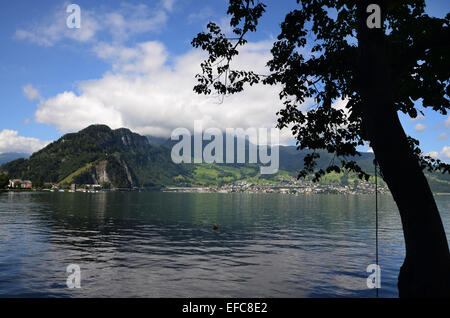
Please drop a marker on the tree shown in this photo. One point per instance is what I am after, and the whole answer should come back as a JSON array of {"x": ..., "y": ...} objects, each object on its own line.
[
  {"x": 401, "y": 66},
  {"x": 39, "y": 183},
  {"x": 4, "y": 180},
  {"x": 105, "y": 185},
  {"x": 344, "y": 179}
]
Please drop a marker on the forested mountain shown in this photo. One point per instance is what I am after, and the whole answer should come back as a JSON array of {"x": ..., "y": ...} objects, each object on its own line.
[{"x": 98, "y": 154}]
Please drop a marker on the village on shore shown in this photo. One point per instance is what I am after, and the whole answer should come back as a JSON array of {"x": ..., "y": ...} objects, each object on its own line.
[
  {"x": 27, "y": 185},
  {"x": 283, "y": 185},
  {"x": 288, "y": 186}
]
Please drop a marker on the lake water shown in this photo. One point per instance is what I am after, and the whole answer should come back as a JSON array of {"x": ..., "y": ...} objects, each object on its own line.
[{"x": 163, "y": 244}]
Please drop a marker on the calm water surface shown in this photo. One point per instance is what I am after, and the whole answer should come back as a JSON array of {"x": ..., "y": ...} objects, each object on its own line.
[{"x": 163, "y": 245}]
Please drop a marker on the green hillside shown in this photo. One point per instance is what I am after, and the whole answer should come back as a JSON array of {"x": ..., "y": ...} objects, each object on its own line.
[{"x": 98, "y": 154}]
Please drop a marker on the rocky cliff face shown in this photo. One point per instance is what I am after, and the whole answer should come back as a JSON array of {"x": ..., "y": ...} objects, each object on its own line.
[
  {"x": 130, "y": 139},
  {"x": 100, "y": 173}
]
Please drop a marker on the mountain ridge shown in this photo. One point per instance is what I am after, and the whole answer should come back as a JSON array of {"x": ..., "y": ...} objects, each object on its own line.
[
  {"x": 121, "y": 158},
  {"x": 100, "y": 155}
]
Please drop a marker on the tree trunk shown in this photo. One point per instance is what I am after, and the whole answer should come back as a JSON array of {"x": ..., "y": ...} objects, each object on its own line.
[{"x": 426, "y": 268}]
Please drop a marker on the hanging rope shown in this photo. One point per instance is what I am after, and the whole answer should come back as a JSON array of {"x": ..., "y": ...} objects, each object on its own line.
[{"x": 376, "y": 216}]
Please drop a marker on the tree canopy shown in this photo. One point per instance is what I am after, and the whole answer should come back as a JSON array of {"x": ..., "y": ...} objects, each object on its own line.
[
  {"x": 314, "y": 59},
  {"x": 4, "y": 180}
]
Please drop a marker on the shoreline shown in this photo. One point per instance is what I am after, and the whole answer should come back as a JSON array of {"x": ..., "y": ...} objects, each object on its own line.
[{"x": 204, "y": 190}]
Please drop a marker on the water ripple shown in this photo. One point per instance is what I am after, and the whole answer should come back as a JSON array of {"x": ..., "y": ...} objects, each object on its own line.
[{"x": 163, "y": 245}]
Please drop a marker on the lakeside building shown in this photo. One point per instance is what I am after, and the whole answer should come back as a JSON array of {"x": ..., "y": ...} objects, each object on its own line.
[
  {"x": 18, "y": 183},
  {"x": 27, "y": 184}
]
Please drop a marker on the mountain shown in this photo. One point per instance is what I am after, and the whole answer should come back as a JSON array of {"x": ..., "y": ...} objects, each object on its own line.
[
  {"x": 10, "y": 156},
  {"x": 157, "y": 141},
  {"x": 123, "y": 159},
  {"x": 97, "y": 155},
  {"x": 290, "y": 158}
]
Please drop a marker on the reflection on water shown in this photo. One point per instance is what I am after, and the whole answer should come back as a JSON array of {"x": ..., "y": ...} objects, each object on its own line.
[{"x": 163, "y": 245}]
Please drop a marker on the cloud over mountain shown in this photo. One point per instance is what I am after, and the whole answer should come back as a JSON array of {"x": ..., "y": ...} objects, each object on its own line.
[
  {"x": 151, "y": 92},
  {"x": 10, "y": 141}
]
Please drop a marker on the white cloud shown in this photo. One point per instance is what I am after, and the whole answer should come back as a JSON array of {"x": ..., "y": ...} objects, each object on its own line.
[
  {"x": 144, "y": 58},
  {"x": 145, "y": 94},
  {"x": 433, "y": 154},
  {"x": 341, "y": 104},
  {"x": 134, "y": 19},
  {"x": 442, "y": 136},
  {"x": 10, "y": 141},
  {"x": 447, "y": 122},
  {"x": 168, "y": 4},
  {"x": 47, "y": 34},
  {"x": 420, "y": 127},
  {"x": 203, "y": 14},
  {"x": 119, "y": 24},
  {"x": 446, "y": 152},
  {"x": 225, "y": 27},
  {"x": 31, "y": 93}
]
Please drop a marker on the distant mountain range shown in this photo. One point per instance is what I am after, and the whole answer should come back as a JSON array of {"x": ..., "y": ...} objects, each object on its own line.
[
  {"x": 123, "y": 159},
  {"x": 10, "y": 156}
]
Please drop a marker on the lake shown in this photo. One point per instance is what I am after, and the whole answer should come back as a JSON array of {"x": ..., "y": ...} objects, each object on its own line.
[{"x": 154, "y": 244}]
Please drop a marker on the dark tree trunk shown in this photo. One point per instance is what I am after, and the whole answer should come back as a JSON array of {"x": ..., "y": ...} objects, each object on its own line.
[{"x": 426, "y": 269}]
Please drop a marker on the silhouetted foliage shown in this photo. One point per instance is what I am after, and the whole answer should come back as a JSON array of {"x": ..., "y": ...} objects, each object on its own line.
[
  {"x": 327, "y": 52},
  {"x": 315, "y": 59}
]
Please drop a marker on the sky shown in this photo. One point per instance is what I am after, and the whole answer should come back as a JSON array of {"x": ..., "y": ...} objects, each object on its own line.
[{"x": 131, "y": 65}]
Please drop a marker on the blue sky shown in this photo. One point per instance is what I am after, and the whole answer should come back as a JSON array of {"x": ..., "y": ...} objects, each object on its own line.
[{"x": 131, "y": 64}]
